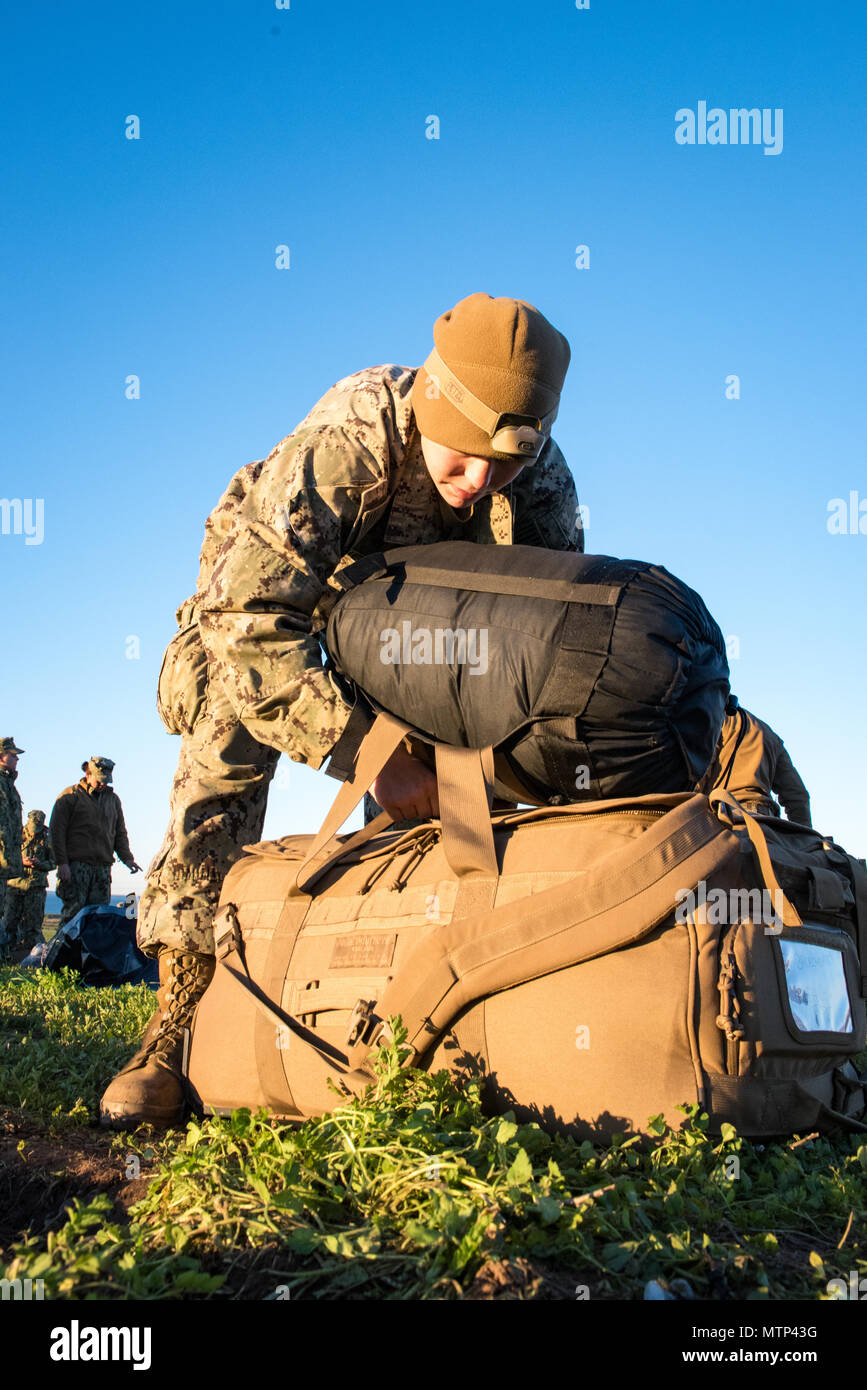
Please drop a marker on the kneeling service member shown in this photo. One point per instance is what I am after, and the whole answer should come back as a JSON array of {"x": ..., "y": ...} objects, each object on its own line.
[{"x": 457, "y": 449}]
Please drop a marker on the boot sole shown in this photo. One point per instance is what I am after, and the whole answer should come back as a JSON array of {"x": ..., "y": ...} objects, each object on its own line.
[{"x": 120, "y": 1117}]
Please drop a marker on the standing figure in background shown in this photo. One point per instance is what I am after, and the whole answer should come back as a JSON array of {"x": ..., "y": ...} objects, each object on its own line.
[
  {"x": 87, "y": 830},
  {"x": 751, "y": 762},
  {"x": 10, "y": 826},
  {"x": 25, "y": 896}
]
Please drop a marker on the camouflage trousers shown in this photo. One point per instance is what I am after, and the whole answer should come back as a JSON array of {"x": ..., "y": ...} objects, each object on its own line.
[
  {"x": 4, "y": 894},
  {"x": 90, "y": 885},
  {"x": 217, "y": 806},
  {"x": 25, "y": 909}
]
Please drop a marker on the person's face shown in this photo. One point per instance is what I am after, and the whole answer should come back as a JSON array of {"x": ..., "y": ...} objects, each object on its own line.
[
  {"x": 462, "y": 479},
  {"x": 9, "y": 760}
]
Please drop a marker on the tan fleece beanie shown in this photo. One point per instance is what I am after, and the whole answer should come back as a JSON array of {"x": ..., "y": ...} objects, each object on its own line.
[{"x": 502, "y": 351}]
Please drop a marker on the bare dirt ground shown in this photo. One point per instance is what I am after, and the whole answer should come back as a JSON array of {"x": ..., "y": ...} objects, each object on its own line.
[{"x": 41, "y": 1171}]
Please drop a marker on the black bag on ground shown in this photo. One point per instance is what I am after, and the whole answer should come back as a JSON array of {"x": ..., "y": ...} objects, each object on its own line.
[
  {"x": 99, "y": 942},
  {"x": 592, "y": 677}
]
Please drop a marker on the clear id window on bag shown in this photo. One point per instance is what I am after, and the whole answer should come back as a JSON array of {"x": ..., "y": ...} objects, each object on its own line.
[{"x": 816, "y": 982}]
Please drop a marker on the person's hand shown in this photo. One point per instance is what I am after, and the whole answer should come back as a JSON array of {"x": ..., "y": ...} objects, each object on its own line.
[
  {"x": 406, "y": 788},
  {"x": 29, "y": 862},
  {"x": 134, "y": 868},
  {"x": 64, "y": 873}
]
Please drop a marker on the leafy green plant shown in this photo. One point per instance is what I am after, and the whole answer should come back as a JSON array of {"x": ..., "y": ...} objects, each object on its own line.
[
  {"x": 412, "y": 1192},
  {"x": 60, "y": 1041}
]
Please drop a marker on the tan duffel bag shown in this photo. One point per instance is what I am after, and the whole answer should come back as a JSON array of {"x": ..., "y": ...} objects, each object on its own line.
[{"x": 598, "y": 963}]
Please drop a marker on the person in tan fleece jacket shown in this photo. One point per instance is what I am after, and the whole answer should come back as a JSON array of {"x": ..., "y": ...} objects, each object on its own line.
[{"x": 751, "y": 762}]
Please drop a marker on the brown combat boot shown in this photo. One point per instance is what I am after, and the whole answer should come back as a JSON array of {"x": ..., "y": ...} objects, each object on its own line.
[{"x": 151, "y": 1088}]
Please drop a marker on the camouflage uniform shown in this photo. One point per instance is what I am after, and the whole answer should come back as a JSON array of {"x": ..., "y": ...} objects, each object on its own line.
[
  {"x": 26, "y": 895},
  {"x": 89, "y": 885},
  {"x": 87, "y": 830},
  {"x": 10, "y": 840},
  {"x": 243, "y": 679}
]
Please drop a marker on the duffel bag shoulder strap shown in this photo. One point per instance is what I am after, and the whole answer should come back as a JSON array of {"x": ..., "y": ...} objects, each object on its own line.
[{"x": 625, "y": 899}]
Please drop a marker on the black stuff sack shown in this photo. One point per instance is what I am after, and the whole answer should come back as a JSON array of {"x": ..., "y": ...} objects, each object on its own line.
[{"x": 591, "y": 677}]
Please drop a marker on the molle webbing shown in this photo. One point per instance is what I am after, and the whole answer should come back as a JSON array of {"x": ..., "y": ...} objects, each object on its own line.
[{"x": 631, "y": 893}]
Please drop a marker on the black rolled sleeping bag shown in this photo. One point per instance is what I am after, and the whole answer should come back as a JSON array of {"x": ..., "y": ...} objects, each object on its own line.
[{"x": 592, "y": 677}]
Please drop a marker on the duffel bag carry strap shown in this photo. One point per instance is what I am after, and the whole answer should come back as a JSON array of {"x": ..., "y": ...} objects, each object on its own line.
[
  {"x": 374, "y": 752},
  {"x": 629, "y": 895},
  {"x": 465, "y": 782},
  {"x": 790, "y": 915}
]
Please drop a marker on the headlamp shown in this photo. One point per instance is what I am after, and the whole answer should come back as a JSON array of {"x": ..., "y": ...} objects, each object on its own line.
[{"x": 520, "y": 435}]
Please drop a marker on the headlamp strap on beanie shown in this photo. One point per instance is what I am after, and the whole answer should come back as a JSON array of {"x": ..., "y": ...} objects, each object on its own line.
[{"x": 525, "y": 440}]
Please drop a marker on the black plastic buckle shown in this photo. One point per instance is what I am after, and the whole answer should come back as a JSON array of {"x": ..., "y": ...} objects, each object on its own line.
[{"x": 362, "y": 1023}]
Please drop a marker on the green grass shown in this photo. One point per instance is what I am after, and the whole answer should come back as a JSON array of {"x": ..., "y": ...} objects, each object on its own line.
[
  {"x": 60, "y": 1042},
  {"x": 410, "y": 1191}
]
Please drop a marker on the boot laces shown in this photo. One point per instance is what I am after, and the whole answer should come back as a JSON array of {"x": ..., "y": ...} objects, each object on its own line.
[{"x": 187, "y": 982}]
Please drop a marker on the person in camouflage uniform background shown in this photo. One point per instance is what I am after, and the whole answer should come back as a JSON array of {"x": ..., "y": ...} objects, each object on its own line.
[
  {"x": 243, "y": 678},
  {"x": 11, "y": 864},
  {"x": 87, "y": 830},
  {"x": 25, "y": 902}
]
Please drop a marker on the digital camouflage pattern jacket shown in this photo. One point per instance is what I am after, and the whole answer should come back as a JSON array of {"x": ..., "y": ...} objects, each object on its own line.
[
  {"x": 349, "y": 481},
  {"x": 10, "y": 826}
]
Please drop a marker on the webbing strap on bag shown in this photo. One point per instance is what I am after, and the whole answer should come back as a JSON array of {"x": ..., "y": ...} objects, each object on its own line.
[
  {"x": 826, "y": 889},
  {"x": 512, "y": 585},
  {"x": 586, "y": 631},
  {"x": 374, "y": 752},
  {"x": 465, "y": 783},
  {"x": 327, "y": 1061},
  {"x": 628, "y": 896},
  {"x": 859, "y": 885},
  {"x": 790, "y": 914},
  {"x": 562, "y": 768},
  {"x": 507, "y": 776}
]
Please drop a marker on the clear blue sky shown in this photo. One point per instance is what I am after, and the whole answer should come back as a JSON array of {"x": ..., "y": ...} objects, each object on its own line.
[{"x": 306, "y": 126}]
